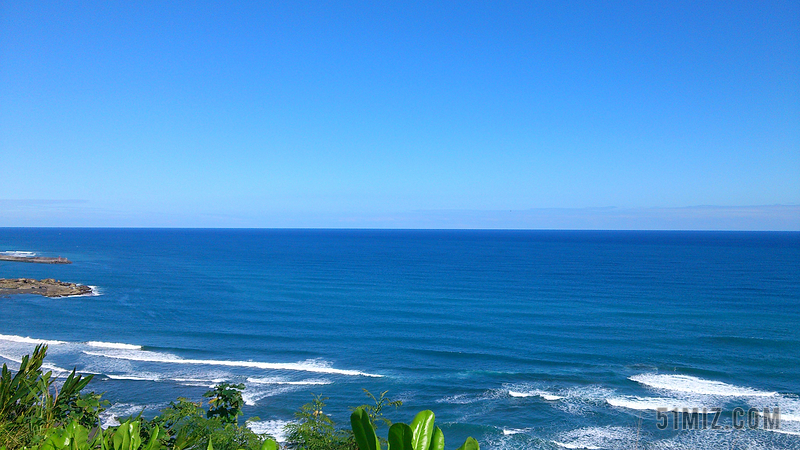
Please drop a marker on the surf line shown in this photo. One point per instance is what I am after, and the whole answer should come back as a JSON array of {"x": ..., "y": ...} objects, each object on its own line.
[{"x": 250, "y": 364}]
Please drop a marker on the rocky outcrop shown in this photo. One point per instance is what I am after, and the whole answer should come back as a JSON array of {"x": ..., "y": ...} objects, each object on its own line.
[
  {"x": 35, "y": 259},
  {"x": 47, "y": 287}
]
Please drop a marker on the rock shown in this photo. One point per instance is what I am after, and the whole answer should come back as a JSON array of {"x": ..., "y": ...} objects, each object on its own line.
[{"x": 48, "y": 287}]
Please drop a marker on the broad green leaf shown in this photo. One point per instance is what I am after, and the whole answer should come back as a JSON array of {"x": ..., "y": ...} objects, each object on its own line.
[
  {"x": 363, "y": 431},
  {"x": 400, "y": 437},
  {"x": 437, "y": 440},
  {"x": 470, "y": 444},
  {"x": 269, "y": 444},
  {"x": 422, "y": 427}
]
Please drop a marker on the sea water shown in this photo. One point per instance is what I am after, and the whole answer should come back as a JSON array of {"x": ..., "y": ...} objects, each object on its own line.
[{"x": 521, "y": 339}]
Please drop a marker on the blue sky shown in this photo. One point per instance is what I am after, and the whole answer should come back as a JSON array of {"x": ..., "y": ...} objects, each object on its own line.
[{"x": 430, "y": 114}]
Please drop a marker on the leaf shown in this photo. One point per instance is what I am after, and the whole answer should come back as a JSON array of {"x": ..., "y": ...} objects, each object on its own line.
[
  {"x": 362, "y": 430},
  {"x": 400, "y": 437},
  {"x": 422, "y": 427},
  {"x": 437, "y": 440},
  {"x": 470, "y": 444},
  {"x": 269, "y": 444}
]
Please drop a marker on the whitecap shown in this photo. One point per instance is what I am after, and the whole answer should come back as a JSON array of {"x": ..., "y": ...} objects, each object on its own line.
[
  {"x": 651, "y": 403},
  {"x": 512, "y": 431},
  {"x": 695, "y": 385},
  {"x": 29, "y": 340},
  {"x": 597, "y": 438},
  {"x": 536, "y": 393},
  {"x": 275, "y": 380},
  {"x": 146, "y": 356},
  {"x": 19, "y": 254},
  {"x": 274, "y": 428},
  {"x": 577, "y": 446},
  {"x": 113, "y": 345}
]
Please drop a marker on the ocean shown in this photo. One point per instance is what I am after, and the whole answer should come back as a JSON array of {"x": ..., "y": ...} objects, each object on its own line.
[{"x": 521, "y": 339}]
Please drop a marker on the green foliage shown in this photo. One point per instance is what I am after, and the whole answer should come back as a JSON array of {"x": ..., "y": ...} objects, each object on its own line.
[
  {"x": 315, "y": 430},
  {"x": 36, "y": 415},
  {"x": 31, "y": 404},
  {"x": 401, "y": 437},
  {"x": 422, "y": 429},
  {"x": 363, "y": 430},
  {"x": 226, "y": 402},
  {"x": 422, "y": 434},
  {"x": 375, "y": 412},
  {"x": 189, "y": 427}
]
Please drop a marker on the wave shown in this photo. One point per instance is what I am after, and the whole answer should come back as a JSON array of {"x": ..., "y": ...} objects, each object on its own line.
[
  {"x": 159, "y": 378},
  {"x": 29, "y": 340},
  {"x": 695, "y": 385},
  {"x": 19, "y": 254},
  {"x": 598, "y": 438},
  {"x": 545, "y": 395},
  {"x": 513, "y": 431},
  {"x": 94, "y": 293},
  {"x": 110, "y": 417},
  {"x": 113, "y": 345},
  {"x": 274, "y": 428},
  {"x": 649, "y": 403},
  {"x": 306, "y": 366},
  {"x": 578, "y": 446},
  {"x": 273, "y": 380},
  {"x": 252, "y": 396}
]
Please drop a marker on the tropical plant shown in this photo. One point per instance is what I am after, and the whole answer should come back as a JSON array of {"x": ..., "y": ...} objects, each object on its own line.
[
  {"x": 375, "y": 412},
  {"x": 226, "y": 402},
  {"x": 315, "y": 430},
  {"x": 31, "y": 402},
  {"x": 188, "y": 426},
  {"x": 421, "y": 434}
]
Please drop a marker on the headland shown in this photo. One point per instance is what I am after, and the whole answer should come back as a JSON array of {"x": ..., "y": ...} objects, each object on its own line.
[
  {"x": 35, "y": 259},
  {"x": 48, "y": 287}
]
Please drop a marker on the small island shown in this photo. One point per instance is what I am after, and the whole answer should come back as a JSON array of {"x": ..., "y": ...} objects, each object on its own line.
[
  {"x": 35, "y": 259},
  {"x": 47, "y": 287}
]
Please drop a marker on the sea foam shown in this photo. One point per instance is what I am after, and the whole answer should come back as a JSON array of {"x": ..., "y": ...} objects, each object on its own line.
[
  {"x": 695, "y": 385},
  {"x": 536, "y": 393},
  {"x": 306, "y": 366},
  {"x": 29, "y": 340},
  {"x": 19, "y": 254},
  {"x": 113, "y": 345}
]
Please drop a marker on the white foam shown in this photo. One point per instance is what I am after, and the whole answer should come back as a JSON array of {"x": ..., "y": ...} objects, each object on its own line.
[
  {"x": 94, "y": 293},
  {"x": 792, "y": 433},
  {"x": 597, "y": 438},
  {"x": 274, "y": 380},
  {"x": 790, "y": 417},
  {"x": 113, "y": 345},
  {"x": 545, "y": 395},
  {"x": 695, "y": 385},
  {"x": 19, "y": 254},
  {"x": 578, "y": 446},
  {"x": 649, "y": 403},
  {"x": 306, "y": 366},
  {"x": 29, "y": 340},
  {"x": 110, "y": 417},
  {"x": 250, "y": 397},
  {"x": 134, "y": 377},
  {"x": 159, "y": 378},
  {"x": 274, "y": 428},
  {"x": 512, "y": 431}
]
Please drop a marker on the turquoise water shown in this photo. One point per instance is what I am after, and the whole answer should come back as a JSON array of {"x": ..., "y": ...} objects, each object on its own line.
[{"x": 522, "y": 339}]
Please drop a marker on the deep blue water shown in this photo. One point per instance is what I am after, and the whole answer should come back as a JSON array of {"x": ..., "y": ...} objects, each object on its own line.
[{"x": 522, "y": 339}]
